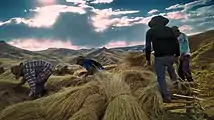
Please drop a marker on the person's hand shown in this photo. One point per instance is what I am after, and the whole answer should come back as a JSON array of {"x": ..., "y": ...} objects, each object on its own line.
[
  {"x": 181, "y": 57},
  {"x": 18, "y": 86},
  {"x": 148, "y": 63},
  {"x": 176, "y": 60}
]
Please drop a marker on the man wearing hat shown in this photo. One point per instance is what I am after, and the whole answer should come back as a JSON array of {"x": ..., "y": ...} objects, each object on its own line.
[
  {"x": 36, "y": 74},
  {"x": 166, "y": 50},
  {"x": 184, "y": 61}
]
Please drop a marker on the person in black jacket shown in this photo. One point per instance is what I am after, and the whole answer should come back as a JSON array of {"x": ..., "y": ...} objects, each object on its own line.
[{"x": 166, "y": 50}]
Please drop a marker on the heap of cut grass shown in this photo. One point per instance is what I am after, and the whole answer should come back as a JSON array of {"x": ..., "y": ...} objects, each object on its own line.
[
  {"x": 137, "y": 78},
  {"x": 23, "y": 111},
  {"x": 122, "y": 105},
  {"x": 67, "y": 103},
  {"x": 92, "y": 109},
  {"x": 150, "y": 100},
  {"x": 133, "y": 60},
  {"x": 144, "y": 87}
]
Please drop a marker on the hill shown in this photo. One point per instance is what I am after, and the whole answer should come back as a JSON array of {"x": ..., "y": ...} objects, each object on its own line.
[{"x": 202, "y": 46}]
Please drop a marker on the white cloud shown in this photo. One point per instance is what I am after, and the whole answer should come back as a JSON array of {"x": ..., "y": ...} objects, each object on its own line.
[
  {"x": 77, "y": 1},
  {"x": 122, "y": 43},
  {"x": 176, "y": 6},
  {"x": 35, "y": 44},
  {"x": 46, "y": 16},
  {"x": 101, "y": 1},
  {"x": 153, "y": 11},
  {"x": 1, "y": 23},
  {"x": 102, "y": 20},
  {"x": 188, "y": 6},
  {"x": 177, "y": 15}
]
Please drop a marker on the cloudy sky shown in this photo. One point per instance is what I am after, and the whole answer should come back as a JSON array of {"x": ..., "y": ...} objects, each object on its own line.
[{"x": 76, "y": 24}]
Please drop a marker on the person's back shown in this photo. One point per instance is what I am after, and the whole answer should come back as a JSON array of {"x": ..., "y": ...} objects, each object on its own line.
[{"x": 163, "y": 41}]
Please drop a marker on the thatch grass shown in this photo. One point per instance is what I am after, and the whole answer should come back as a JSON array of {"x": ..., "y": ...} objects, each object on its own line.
[
  {"x": 135, "y": 61},
  {"x": 124, "y": 107},
  {"x": 92, "y": 109},
  {"x": 138, "y": 78},
  {"x": 145, "y": 88},
  {"x": 67, "y": 103},
  {"x": 10, "y": 96},
  {"x": 106, "y": 96},
  {"x": 23, "y": 111},
  {"x": 150, "y": 100}
]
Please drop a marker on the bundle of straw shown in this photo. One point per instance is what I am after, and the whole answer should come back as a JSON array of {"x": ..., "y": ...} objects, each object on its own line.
[
  {"x": 64, "y": 105},
  {"x": 150, "y": 100},
  {"x": 122, "y": 105},
  {"x": 137, "y": 78},
  {"x": 93, "y": 108},
  {"x": 23, "y": 111}
]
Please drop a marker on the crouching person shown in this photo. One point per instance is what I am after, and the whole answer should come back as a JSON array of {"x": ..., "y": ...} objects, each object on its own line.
[
  {"x": 36, "y": 74},
  {"x": 90, "y": 65}
]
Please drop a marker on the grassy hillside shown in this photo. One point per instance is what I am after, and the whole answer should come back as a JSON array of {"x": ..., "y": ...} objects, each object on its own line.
[{"x": 202, "y": 46}]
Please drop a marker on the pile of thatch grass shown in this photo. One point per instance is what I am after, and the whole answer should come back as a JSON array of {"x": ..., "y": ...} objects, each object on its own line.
[
  {"x": 106, "y": 96},
  {"x": 23, "y": 111},
  {"x": 150, "y": 100},
  {"x": 134, "y": 60},
  {"x": 69, "y": 102},
  {"x": 92, "y": 109},
  {"x": 121, "y": 104},
  {"x": 9, "y": 96},
  {"x": 56, "y": 83},
  {"x": 145, "y": 88}
]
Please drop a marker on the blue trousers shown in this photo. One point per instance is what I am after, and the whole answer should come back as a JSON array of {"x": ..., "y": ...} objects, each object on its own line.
[{"x": 161, "y": 65}]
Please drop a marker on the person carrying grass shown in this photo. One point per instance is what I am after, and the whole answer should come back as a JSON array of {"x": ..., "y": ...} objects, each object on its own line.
[{"x": 36, "y": 74}]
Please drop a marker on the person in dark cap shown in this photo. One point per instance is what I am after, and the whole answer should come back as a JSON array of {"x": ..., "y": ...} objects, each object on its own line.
[
  {"x": 184, "y": 60},
  {"x": 90, "y": 65},
  {"x": 36, "y": 74},
  {"x": 166, "y": 50}
]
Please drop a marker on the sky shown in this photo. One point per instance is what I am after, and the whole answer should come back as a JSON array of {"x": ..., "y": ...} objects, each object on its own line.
[{"x": 75, "y": 24}]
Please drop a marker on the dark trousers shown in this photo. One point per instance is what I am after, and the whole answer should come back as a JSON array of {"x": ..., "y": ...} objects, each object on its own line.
[
  {"x": 184, "y": 68},
  {"x": 161, "y": 65}
]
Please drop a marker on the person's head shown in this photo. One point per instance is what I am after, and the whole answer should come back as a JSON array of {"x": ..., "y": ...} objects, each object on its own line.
[
  {"x": 80, "y": 60},
  {"x": 158, "y": 21},
  {"x": 176, "y": 31},
  {"x": 16, "y": 70}
]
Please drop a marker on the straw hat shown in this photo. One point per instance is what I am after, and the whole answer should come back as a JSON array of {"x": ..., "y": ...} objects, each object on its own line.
[{"x": 158, "y": 21}]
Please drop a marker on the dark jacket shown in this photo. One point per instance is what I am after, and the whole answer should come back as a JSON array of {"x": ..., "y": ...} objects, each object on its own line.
[
  {"x": 92, "y": 66},
  {"x": 163, "y": 41}
]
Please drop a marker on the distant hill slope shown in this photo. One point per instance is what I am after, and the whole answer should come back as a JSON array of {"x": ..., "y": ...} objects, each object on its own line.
[{"x": 12, "y": 55}]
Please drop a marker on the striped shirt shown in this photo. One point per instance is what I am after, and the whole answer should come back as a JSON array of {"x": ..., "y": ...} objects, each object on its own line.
[{"x": 35, "y": 72}]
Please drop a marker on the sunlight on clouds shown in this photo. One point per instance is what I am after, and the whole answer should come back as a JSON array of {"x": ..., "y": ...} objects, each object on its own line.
[
  {"x": 102, "y": 20},
  {"x": 46, "y": 16},
  {"x": 122, "y": 44},
  {"x": 101, "y": 1},
  {"x": 35, "y": 44},
  {"x": 153, "y": 11},
  {"x": 77, "y": 1},
  {"x": 177, "y": 15},
  {"x": 185, "y": 28},
  {"x": 47, "y": 2}
]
